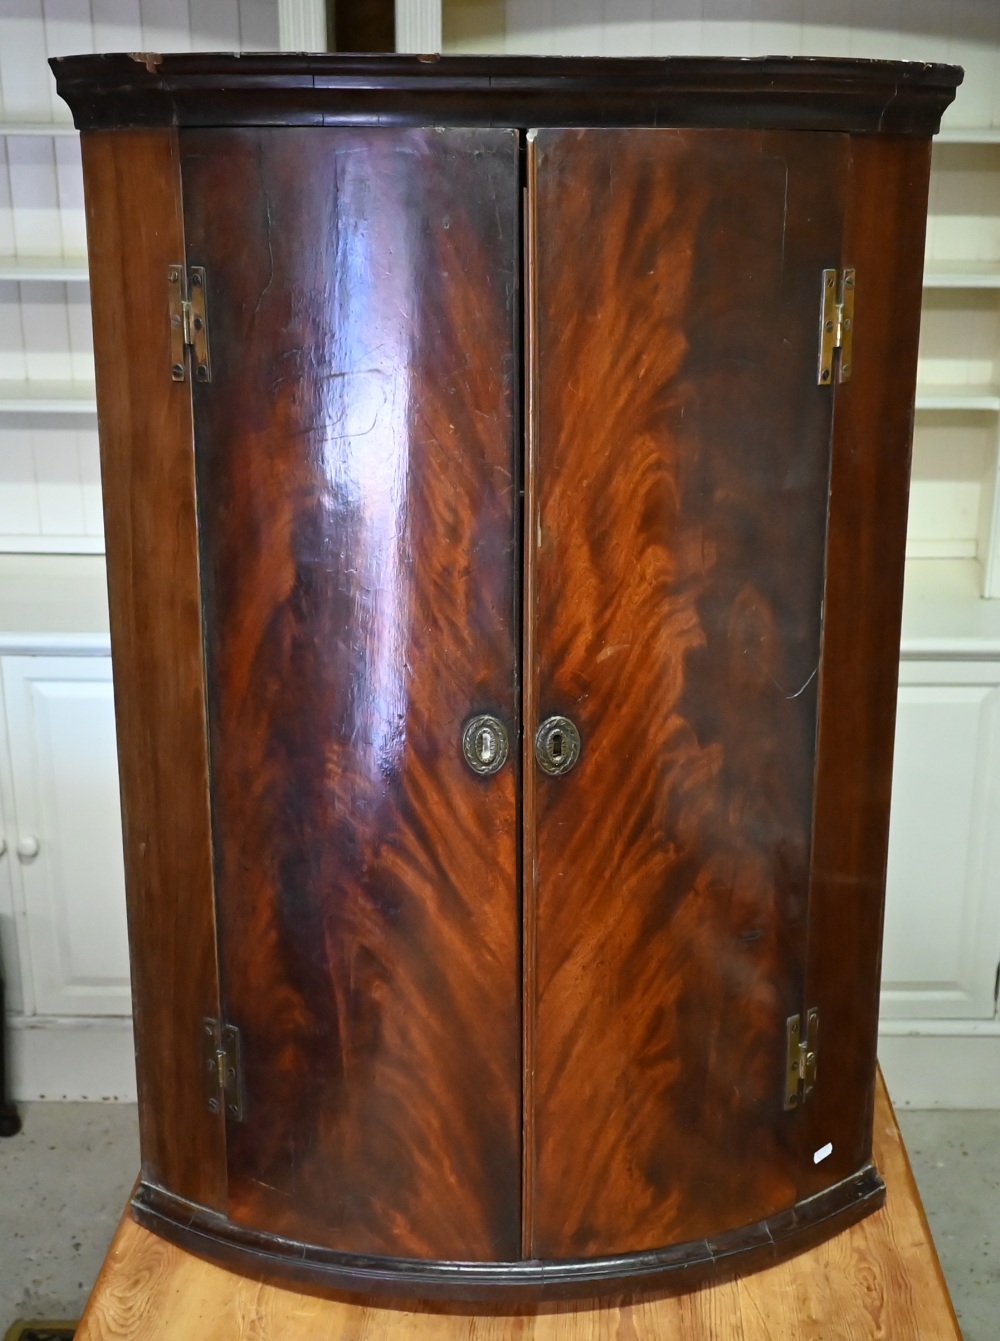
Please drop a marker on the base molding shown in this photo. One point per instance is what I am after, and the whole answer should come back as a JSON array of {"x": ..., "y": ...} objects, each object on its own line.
[
  {"x": 941, "y": 1064},
  {"x": 268, "y": 1257},
  {"x": 91, "y": 1058}
]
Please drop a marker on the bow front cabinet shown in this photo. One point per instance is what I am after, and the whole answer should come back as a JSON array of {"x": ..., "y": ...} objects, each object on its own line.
[{"x": 505, "y": 466}]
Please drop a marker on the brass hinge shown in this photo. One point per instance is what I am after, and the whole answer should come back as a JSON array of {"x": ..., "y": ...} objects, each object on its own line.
[
  {"x": 800, "y": 1075},
  {"x": 223, "y": 1068},
  {"x": 188, "y": 322},
  {"x": 836, "y": 326}
]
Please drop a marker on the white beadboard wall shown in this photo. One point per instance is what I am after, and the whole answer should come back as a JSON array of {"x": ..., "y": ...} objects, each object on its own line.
[
  {"x": 48, "y": 460},
  {"x": 34, "y": 30},
  {"x": 955, "y": 498},
  {"x": 49, "y": 475},
  {"x": 964, "y": 31}
]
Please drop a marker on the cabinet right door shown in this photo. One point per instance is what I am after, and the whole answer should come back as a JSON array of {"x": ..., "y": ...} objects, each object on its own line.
[{"x": 679, "y": 449}]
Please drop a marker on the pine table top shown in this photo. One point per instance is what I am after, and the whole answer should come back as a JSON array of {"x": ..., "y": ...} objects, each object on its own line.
[{"x": 881, "y": 1278}]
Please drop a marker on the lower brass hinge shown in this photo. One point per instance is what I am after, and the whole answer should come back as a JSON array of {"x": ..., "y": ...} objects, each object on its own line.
[
  {"x": 836, "y": 326},
  {"x": 800, "y": 1073},
  {"x": 188, "y": 306},
  {"x": 223, "y": 1068}
]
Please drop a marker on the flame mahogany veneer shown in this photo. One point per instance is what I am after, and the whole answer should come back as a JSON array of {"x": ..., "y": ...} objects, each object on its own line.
[{"x": 513, "y": 410}]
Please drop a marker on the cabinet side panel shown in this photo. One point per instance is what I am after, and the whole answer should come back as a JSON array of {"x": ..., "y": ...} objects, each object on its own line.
[
  {"x": 678, "y": 527},
  {"x": 873, "y": 424},
  {"x": 135, "y": 232},
  {"x": 357, "y": 484}
]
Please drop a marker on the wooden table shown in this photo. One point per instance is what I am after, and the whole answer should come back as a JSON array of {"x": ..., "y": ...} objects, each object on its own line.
[{"x": 880, "y": 1279}]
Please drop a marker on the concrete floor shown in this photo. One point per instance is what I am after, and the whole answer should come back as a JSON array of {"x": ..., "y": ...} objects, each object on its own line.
[
  {"x": 956, "y": 1161},
  {"x": 65, "y": 1179}
]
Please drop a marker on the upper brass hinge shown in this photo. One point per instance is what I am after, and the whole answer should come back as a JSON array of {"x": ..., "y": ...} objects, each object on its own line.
[
  {"x": 836, "y": 326},
  {"x": 800, "y": 1072},
  {"x": 188, "y": 322},
  {"x": 223, "y": 1068}
]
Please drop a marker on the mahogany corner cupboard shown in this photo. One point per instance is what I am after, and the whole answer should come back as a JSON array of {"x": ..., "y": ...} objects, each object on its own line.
[{"x": 505, "y": 468}]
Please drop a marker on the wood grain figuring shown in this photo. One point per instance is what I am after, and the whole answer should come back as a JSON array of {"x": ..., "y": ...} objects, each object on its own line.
[
  {"x": 135, "y": 231},
  {"x": 357, "y": 469},
  {"x": 517, "y": 1036},
  {"x": 682, "y": 450},
  {"x": 879, "y": 1279},
  {"x": 873, "y": 426}
]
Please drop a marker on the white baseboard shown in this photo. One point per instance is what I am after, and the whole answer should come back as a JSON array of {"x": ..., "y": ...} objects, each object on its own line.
[
  {"x": 71, "y": 1058},
  {"x": 941, "y": 1064}
]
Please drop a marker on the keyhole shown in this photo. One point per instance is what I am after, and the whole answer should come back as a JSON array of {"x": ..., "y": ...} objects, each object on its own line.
[
  {"x": 557, "y": 746},
  {"x": 486, "y": 746}
]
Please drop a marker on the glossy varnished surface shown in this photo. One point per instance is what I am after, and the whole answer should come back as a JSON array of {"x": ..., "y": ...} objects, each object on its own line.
[
  {"x": 357, "y": 469},
  {"x": 884, "y": 241},
  {"x": 707, "y": 869},
  {"x": 794, "y": 92},
  {"x": 677, "y": 1266},
  {"x": 676, "y": 545},
  {"x": 880, "y": 1278},
  {"x": 135, "y": 230}
]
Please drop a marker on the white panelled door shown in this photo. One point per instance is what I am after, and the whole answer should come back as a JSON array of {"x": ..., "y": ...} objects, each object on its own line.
[
  {"x": 942, "y": 930},
  {"x": 66, "y": 842}
]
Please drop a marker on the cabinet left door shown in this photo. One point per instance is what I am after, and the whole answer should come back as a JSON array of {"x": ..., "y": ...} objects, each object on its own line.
[
  {"x": 357, "y": 474},
  {"x": 67, "y": 840}
]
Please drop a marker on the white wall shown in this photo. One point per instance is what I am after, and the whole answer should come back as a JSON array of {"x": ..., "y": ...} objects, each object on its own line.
[
  {"x": 964, "y": 31},
  {"x": 49, "y": 476},
  {"x": 50, "y": 500}
]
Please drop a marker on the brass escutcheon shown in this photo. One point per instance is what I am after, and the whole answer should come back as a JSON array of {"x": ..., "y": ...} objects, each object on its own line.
[
  {"x": 557, "y": 745},
  {"x": 484, "y": 744}
]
